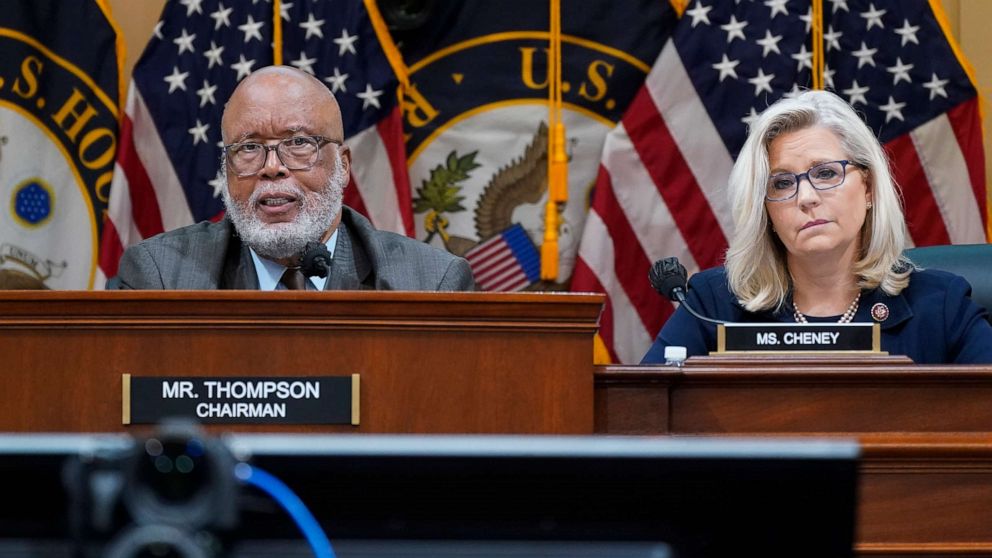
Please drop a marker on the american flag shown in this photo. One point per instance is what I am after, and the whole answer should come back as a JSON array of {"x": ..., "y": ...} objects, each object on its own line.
[
  {"x": 506, "y": 262},
  {"x": 168, "y": 164},
  {"x": 661, "y": 186}
]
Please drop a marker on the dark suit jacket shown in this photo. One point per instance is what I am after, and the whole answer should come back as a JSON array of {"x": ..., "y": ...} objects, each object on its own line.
[
  {"x": 208, "y": 256},
  {"x": 933, "y": 321}
]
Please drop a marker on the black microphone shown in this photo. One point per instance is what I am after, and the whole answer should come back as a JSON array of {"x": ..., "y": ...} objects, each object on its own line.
[
  {"x": 316, "y": 260},
  {"x": 668, "y": 277}
]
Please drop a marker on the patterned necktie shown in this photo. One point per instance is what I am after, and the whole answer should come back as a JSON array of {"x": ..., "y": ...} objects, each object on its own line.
[{"x": 294, "y": 280}]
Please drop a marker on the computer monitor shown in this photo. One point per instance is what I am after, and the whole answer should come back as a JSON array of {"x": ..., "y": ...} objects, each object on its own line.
[{"x": 502, "y": 496}]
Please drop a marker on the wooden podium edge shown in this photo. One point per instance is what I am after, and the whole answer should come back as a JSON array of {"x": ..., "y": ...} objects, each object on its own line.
[{"x": 923, "y": 549}]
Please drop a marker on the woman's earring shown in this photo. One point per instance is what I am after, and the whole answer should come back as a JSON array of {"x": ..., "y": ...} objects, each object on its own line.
[{"x": 869, "y": 205}]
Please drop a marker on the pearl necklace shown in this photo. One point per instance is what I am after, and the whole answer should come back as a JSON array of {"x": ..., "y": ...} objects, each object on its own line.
[{"x": 845, "y": 318}]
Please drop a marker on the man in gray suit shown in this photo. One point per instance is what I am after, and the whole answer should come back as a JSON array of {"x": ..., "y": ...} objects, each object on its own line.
[{"x": 286, "y": 169}]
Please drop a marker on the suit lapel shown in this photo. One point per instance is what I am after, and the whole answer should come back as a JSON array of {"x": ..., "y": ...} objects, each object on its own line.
[
  {"x": 239, "y": 269},
  {"x": 212, "y": 258},
  {"x": 350, "y": 267}
]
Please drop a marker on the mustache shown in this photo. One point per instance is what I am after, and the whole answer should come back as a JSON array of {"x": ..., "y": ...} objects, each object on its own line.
[{"x": 271, "y": 188}]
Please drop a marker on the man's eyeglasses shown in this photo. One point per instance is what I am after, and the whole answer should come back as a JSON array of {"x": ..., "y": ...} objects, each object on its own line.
[
  {"x": 295, "y": 153},
  {"x": 784, "y": 186}
]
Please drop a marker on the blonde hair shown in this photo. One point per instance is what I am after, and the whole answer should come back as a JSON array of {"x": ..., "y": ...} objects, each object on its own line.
[{"x": 756, "y": 266}]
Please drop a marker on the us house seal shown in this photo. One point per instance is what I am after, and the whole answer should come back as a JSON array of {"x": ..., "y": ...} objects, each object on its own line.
[
  {"x": 57, "y": 163},
  {"x": 478, "y": 142}
]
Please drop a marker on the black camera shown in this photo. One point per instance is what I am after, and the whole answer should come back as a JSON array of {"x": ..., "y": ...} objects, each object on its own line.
[{"x": 170, "y": 494}]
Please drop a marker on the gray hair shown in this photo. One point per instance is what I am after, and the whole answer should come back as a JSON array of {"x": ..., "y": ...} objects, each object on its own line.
[{"x": 756, "y": 266}]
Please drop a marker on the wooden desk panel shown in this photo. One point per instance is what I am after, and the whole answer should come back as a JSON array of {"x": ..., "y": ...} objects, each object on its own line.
[
  {"x": 781, "y": 396},
  {"x": 429, "y": 362},
  {"x": 926, "y": 494}
]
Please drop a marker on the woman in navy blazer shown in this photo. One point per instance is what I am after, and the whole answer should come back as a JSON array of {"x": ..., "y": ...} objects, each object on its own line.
[{"x": 819, "y": 236}]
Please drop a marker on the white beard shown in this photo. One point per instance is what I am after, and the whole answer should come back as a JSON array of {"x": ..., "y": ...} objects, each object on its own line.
[{"x": 277, "y": 241}]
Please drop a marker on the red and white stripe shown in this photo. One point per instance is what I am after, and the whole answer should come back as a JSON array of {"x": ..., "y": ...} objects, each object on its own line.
[
  {"x": 379, "y": 191},
  {"x": 661, "y": 192},
  {"x": 940, "y": 167},
  {"x": 146, "y": 197}
]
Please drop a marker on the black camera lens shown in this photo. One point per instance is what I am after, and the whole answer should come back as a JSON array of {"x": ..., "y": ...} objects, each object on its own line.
[
  {"x": 174, "y": 471},
  {"x": 180, "y": 477}
]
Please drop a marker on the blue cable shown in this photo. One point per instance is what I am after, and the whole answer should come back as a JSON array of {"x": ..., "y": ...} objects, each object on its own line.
[{"x": 286, "y": 498}]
